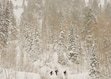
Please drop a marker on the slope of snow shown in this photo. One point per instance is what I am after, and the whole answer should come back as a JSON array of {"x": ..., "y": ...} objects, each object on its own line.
[
  {"x": 9, "y": 74},
  {"x": 27, "y": 75}
]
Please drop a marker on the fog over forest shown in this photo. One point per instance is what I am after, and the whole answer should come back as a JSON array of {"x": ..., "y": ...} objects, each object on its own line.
[{"x": 55, "y": 39}]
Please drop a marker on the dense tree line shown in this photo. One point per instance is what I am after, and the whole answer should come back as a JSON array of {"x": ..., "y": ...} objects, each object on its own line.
[
  {"x": 8, "y": 33},
  {"x": 78, "y": 34}
]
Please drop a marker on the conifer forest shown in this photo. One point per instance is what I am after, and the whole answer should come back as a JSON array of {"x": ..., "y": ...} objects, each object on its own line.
[{"x": 55, "y": 39}]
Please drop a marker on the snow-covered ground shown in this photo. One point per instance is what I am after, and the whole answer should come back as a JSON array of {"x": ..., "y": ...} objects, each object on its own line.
[
  {"x": 27, "y": 75},
  {"x": 9, "y": 74}
]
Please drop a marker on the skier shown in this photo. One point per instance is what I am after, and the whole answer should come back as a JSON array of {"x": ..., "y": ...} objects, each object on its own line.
[
  {"x": 65, "y": 72},
  {"x": 56, "y": 71},
  {"x": 51, "y": 72}
]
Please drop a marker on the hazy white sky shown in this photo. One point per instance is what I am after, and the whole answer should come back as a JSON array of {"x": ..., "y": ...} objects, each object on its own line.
[
  {"x": 101, "y": 2},
  {"x": 19, "y": 11},
  {"x": 17, "y": 2}
]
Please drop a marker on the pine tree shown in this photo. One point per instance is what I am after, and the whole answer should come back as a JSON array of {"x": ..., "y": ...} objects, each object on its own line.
[
  {"x": 61, "y": 58},
  {"x": 89, "y": 20},
  {"x": 5, "y": 20},
  {"x": 71, "y": 40},
  {"x": 35, "y": 51},
  {"x": 30, "y": 33},
  {"x": 94, "y": 73},
  {"x": 12, "y": 29},
  {"x": 74, "y": 45}
]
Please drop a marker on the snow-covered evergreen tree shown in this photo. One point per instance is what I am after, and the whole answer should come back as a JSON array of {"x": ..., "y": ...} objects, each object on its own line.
[
  {"x": 6, "y": 22},
  {"x": 62, "y": 49},
  {"x": 94, "y": 73},
  {"x": 74, "y": 45}
]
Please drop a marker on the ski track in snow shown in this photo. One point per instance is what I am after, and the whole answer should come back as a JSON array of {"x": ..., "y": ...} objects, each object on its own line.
[{"x": 6, "y": 73}]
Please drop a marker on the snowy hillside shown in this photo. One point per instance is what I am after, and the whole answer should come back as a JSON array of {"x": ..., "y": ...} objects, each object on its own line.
[{"x": 55, "y": 39}]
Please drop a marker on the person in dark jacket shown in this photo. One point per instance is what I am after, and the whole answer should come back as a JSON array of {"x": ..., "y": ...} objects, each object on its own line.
[
  {"x": 65, "y": 72},
  {"x": 56, "y": 71},
  {"x": 51, "y": 72}
]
